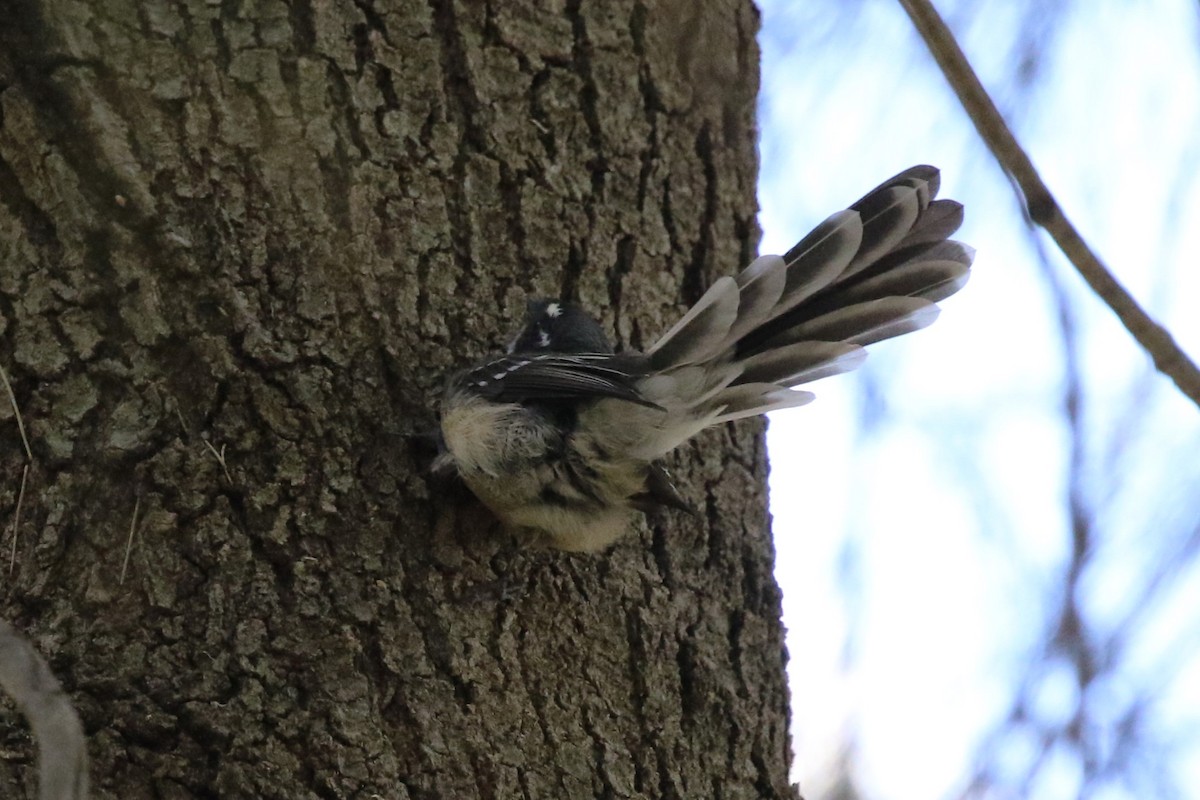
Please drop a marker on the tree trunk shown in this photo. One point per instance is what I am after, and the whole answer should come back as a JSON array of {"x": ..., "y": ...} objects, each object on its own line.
[{"x": 241, "y": 243}]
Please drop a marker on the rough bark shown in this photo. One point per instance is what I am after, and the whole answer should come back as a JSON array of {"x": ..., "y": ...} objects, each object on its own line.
[{"x": 240, "y": 244}]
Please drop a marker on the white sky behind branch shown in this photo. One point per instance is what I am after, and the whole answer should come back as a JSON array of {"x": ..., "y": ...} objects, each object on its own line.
[{"x": 918, "y": 553}]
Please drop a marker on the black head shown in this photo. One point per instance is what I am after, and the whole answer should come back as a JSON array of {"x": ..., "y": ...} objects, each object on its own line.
[{"x": 552, "y": 326}]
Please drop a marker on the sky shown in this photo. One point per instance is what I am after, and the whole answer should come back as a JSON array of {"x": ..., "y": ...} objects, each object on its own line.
[{"x": 921, "y": 507}]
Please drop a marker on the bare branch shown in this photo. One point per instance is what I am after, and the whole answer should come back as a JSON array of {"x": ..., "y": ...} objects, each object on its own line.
[
  {"x": 62, "y": 752},
  {"x": 1043, "y": 208}
]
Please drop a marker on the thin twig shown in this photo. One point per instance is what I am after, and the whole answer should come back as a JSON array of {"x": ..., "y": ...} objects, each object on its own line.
[
  {"x": 137, "y": 503},
  {"x": 12, "y": 398},
  {"x": 62, "y": 748},
  {"x": 220, "y": 457},
  {"x": 16, "y": 526},
  {"x": 1169, "y": 359}
]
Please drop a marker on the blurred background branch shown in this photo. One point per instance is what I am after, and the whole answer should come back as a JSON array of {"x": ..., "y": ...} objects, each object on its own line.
[
  {"x": 1041, "y": 204},
  {"x": 989, "y": 542}
]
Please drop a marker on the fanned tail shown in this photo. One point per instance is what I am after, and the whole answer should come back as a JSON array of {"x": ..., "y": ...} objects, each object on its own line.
[{"x": 871, "y": 272}]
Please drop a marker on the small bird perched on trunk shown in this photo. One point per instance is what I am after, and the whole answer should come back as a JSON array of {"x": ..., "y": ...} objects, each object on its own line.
[{"x": 562, "y": 436}]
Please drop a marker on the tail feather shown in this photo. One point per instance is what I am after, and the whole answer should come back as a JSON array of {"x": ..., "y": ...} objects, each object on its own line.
[
  {"x": 702, "y": 330},
  {"x": 888, "y": 216},
  {"x": 752, "y": 399},
  {"x": 801, "y": 362},
  {"x": 931, "y": 271},
  {"x": 760, "y": 286},
  {"x": 688, "y": 386},
  {"x": 934, "y": 274},
  {"x": 865, "y": 323},
  {"x": 817, "y": 259},
  {"x": 939, "y": 221},
  {"x": 923, "y": 177},
  {"x": 871, "y": 272}
]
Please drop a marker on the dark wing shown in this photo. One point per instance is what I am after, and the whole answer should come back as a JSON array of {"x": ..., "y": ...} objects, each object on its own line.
[{"x": 557, "y": 376}]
